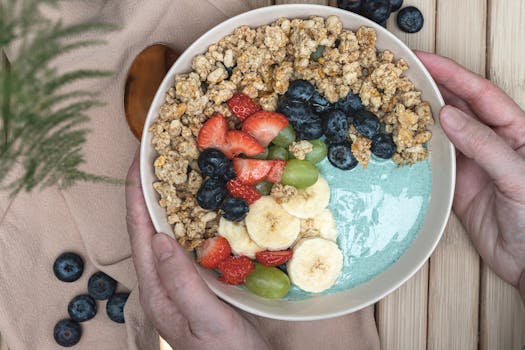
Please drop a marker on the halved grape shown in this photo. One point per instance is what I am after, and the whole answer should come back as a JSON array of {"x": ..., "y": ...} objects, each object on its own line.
[
  {"x": 268, "y": 282},
  {"x": 277, "y": 152},
  {"x": 264, "y": 187},
  {"x": 285, "y": 137},
  {"x": 318, "y": 153},
  {"x": 299, "y": 173},
  {"x": 262, "y": 155}
]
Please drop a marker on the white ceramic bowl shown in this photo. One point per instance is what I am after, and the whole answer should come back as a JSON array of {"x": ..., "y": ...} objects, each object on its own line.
[{"x": 442, "y": 165}]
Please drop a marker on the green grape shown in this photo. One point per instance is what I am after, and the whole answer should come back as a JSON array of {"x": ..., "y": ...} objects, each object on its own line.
[
  {"x": 262, "y": 155},
  {"x": 299, "y": 173},
  {"x": 318, "y": 153},
  {"x": 264, "y": 187},
  {"x": 268, "y": 282},
  {"x": 277, "y": 152},
  {"x": 285, "y": 137}
]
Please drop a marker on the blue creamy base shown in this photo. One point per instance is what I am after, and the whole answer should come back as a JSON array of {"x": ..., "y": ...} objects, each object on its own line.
[{"x": 378, "y": 211}]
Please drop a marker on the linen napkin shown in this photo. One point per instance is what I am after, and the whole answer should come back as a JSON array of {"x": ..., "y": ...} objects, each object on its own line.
[{"x": 90, "y": 218}]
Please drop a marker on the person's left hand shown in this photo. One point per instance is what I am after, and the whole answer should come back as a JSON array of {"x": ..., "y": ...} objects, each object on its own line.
[{"x": 174, "y": 297}]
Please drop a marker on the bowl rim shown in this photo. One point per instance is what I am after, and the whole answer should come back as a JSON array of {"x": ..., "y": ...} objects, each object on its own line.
[{"x": 152, "y": 114}]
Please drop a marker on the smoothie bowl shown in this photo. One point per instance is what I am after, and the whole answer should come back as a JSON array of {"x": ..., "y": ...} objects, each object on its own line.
[{"x": 295, "y": 150}]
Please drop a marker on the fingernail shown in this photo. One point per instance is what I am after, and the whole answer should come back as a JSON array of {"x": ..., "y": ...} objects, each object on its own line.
[
  {"x": 452, "y": 118},
  {"x": 162, "y": 247}
]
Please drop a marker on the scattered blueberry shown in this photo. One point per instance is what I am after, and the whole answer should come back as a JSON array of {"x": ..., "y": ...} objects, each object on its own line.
[
  {"x": 319, "y": 103},
  {"x": 410, "y": 19},
  {"x": 214, "y": 163},
  {"x": 115, "y": 307},
  {"x": 366, "y": 123},
  {"x": 300, "y": 90},
  {"x": 383, "y": 146},
  {"x": 317, "y": 54},
  {"x": 82, "y": 308},
  {"x": 350, "y": 5},
  {"x": 350, "y": 104},
  {"x": 335, "y": 126},
  {"x": 211, "y": 194},
  {"x": 67, "y": 332},
  {"x": 376, "y": 10},
  {"x": 396, "y": 5},
  {"x": 68, "y": 267},
  {"x": 230, "y": 71},
  {"x": 340, "y": 155},
  {"x": 234, "y": 209},
  {"x": 282, "y": 267},
  {"x": 101, "y": 286},
  {"x": 309, "y": 129},
  {"x": 295, "y": 110}
]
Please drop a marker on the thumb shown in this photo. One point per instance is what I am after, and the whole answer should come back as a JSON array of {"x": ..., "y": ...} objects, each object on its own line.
[
  {"x": 182, "y": 282},
  {"x": 479, "y": 142}
]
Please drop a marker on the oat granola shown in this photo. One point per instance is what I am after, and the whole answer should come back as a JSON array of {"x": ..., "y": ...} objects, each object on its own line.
[{"x": 261, "y": 62}]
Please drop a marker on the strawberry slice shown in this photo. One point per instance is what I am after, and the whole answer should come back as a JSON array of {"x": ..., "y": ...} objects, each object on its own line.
[
  {"x": 239, "y": 190},
  {"x": 251, "y": 171},
  {"x": 213, "y": 251},
  {"x": 276, "y": 172},
  {"x": 242, "y": 106},
  {"x": 269, "y": 258},
  {"x": 213, "y": 133},
  {"x": 264, "y": 126},
  {"x": 234, "y": 269},
  {"x": 240, "y": 142}
]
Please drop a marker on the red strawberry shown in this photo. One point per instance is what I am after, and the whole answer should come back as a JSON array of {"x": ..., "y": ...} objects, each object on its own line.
[
  {"x": 240, "y": 142},
  {"x": 242, "y": 106},
  {"x": 239, "y": 190},
  {"x": 234, "y": 269},
  {"x": 269, "y": 258},
  {"x": 276, "y": 172},
  {"x": 213, "y": 251},
  {"x": 251, "y": 171},
  {"x": 213, "y": 133},
  {"x": 264, "y": 126}
]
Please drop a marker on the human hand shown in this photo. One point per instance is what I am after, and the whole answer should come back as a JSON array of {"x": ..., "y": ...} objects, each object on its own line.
[
  {"x": 488, "y": 129},
  {"x": 174, "y": 297}
]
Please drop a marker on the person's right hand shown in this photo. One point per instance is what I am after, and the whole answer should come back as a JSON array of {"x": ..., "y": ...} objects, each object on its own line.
[{"x": 488, "y": 129}]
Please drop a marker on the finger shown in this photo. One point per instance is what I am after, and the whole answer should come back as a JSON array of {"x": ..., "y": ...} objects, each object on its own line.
[
  {"x": 480, "y": 143},
  {"x": 454, "y": 100},
  {"x": 141, "y": 231},
  {"x": 183, "y": 283},
  {"x": 490, "y": 103}
]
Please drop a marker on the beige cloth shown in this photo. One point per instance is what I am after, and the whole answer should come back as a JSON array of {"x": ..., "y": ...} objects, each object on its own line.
[{"x": 90, "y": 218}]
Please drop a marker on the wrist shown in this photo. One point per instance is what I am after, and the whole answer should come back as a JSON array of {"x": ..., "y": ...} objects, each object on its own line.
[{"x": 521, "y": 286}]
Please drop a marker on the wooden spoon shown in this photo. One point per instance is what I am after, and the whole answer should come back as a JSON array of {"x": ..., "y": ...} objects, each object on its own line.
[{"x": 144, "y": 77}]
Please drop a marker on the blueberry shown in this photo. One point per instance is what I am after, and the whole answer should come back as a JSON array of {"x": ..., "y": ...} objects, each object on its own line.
[
  {"x": 335, "y": 126},
  {"x": 101, "y": 286},
  {"x": 340, "y": 155},
  {"x": 282, "y": 267},
  {"x": 319, "y": 103},
  {"x": 396, "y": 5},
  {"x": 366, "y": 123},
  {"x": 82, "y": 308},
  {"x": 67, "y": 332},
  {"x": 115, "y": 307},
  {"x": 350, "y": 104},
  {"x": 309, "y": 129},
  {"x": 68, "y": 267},
  {"x": 315, "y": 56},
  {"x": 295, "y": 110},
  {"x": 211, "y": 194},
  {"x": 410, "y": 20},
  {"x": 300, "y": 90},
  {"x": 383, "y": 146},
  {"x": 376, "y": 10},
  {"x": 230, "y": 71},
  {"x": 214, "y": 163},
  {"x": 350, "y": 5},
  {"x": 234, "y": 209}
]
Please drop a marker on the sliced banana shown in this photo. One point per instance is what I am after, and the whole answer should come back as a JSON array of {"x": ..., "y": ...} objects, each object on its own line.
[
  {"x": 315, "y": 264},
  {"x": 237, "y": 236},
  {"x": 322, "y": 225},
  {"x": 310, "y": 201},
  {"x": 269, "y": 226}
]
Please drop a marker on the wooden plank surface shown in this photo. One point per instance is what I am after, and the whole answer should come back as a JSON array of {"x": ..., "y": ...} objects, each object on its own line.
[
  {"x": 453, "y": 300},
  {"x": 502, "y": 321}
]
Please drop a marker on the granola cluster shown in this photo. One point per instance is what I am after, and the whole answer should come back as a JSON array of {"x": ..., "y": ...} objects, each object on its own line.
[{"x": 261, "y": 62}]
